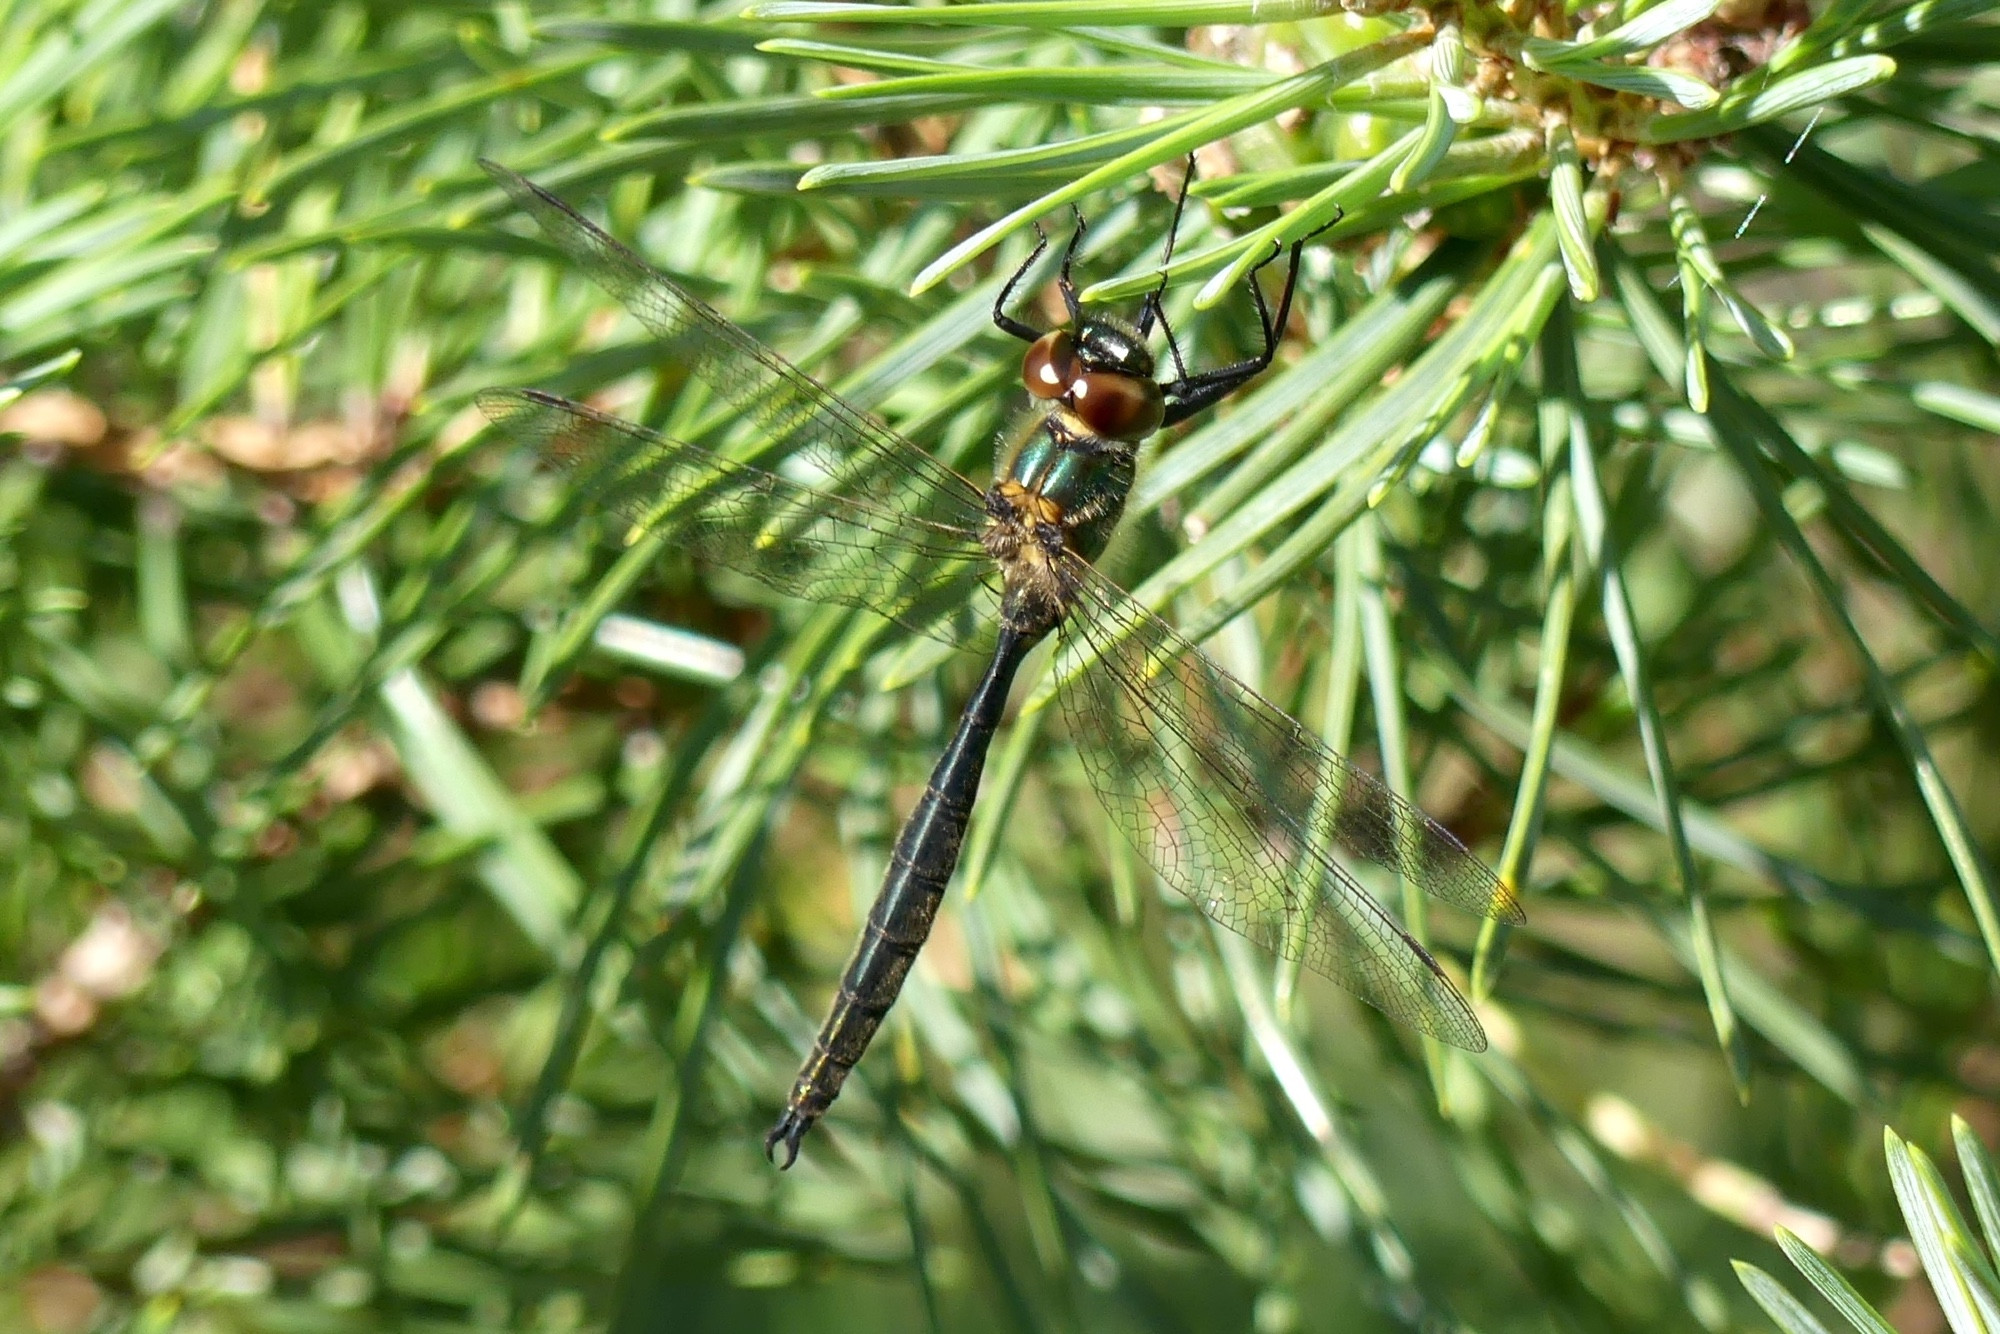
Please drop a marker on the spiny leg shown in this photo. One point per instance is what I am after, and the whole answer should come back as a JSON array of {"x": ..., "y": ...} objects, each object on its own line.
[
  {"x": 1151, "y": 310},
  {"x": 1173, "y": 348},
  {"x": 1020, "y": 329},
  {"x": 1191, "y": 393},
  {"x": 1027, "y": 333},
  {"x": 1064, "y": 283}
]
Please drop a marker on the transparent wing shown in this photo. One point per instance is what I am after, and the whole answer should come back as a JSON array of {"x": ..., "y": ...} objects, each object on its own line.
[
  {"x": 786, "y": 410},
  {"x": 1245, "y": 812},
  {"x": 793, "y": 538}
]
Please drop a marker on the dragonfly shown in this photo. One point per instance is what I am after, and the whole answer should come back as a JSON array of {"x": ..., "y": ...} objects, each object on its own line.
[{"x": 1233, "y": 802}]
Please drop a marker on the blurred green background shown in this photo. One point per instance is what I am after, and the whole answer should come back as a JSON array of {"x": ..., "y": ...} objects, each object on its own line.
[{"x": 414, "y": 909}]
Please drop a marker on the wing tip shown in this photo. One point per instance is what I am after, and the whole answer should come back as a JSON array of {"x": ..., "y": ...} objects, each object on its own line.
[
  {"x": 1448, "y": 1016},
  {"x": 498, "y": 404},
  {"x": 1486, "y": 893},
  {"x": 513, "y": 182},
  {"x": 502, "y": 403}
]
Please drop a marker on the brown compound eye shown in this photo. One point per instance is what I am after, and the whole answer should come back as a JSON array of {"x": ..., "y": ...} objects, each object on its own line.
[
  {"x": 1113, "y": 404},
  {"x": 1050, "y": 365}
]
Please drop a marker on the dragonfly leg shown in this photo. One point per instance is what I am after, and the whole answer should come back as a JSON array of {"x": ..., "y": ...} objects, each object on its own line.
[
  {"x": 1151, "y": 310},
  {"x": 1192, "y": 393},
  {"x": 1021, "y": 329},
  {"x": 1173, "y": 346},
  {"x": 1064, "y": 283},
  {"x": 1027, "y": 333}
]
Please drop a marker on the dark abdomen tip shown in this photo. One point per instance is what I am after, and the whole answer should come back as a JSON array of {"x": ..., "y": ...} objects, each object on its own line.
[{"x": 791, "y": 1128}]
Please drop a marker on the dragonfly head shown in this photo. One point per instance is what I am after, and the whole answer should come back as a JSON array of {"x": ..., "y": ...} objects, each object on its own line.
[{"x": 1102, "y": 372}]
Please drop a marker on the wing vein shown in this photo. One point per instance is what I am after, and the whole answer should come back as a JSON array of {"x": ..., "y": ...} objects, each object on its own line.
[{"x": 1218, "y": 788}]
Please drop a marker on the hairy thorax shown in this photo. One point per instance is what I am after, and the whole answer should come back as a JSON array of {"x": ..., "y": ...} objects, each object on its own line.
[{"x": 1060, "y": 493}]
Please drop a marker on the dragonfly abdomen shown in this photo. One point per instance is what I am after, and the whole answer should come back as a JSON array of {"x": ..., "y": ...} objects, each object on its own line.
[{"x": 920, "y": 867}]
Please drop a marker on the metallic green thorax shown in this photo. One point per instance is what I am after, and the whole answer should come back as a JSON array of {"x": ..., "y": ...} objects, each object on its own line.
[
  {"x": 1058, "y": 496},
  {"x": 1085, "y": 476}
]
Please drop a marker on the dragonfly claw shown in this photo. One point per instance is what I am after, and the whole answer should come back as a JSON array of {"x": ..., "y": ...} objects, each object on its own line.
[{"x": 791, "y": 1128}]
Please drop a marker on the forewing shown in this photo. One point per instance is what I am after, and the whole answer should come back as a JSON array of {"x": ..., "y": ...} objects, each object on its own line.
[
  {"x": 1248, "y": 814},
  {"x": 870, "y": 554},
  {"x": 785, "y": 410}
]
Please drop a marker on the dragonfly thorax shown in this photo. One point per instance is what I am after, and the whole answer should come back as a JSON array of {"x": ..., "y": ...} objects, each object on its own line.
[
  {"x": 1028, "y": 537},
  {"x": 1059, "y": 495}
]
